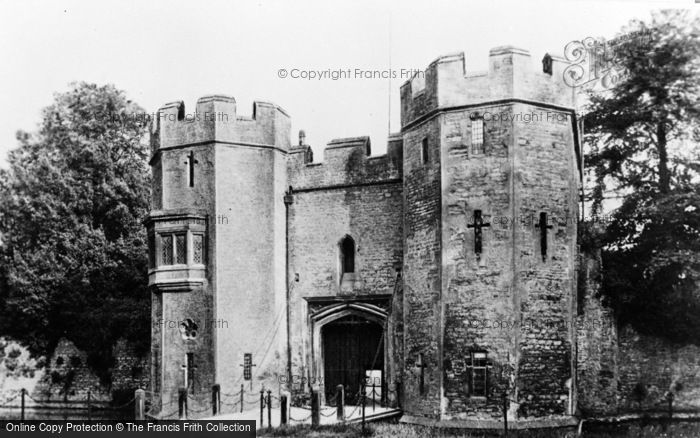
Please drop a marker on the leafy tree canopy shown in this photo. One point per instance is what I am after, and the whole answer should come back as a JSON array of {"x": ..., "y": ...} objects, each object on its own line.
[
  {"x": 71, "y": 240},
  {"x": 643, "y": 135}
]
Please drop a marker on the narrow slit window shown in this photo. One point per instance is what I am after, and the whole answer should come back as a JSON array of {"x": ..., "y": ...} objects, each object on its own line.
[
  {"x": 166, "y": 249},
  {"x": 477, "y": 135},
  {"x": 425, "y": 157},
  {"x": 479, "y": 375},
  {"x": 347, "y": 247}
]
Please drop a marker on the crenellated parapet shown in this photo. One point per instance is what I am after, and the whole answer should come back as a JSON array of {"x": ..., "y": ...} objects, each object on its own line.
[
  {"x": 511, "y": 75},
  {"x": 214, "y": 119},
  {"x": 346, "y": 161}
]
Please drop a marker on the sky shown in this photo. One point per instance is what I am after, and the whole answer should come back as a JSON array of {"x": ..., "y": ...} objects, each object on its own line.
[{"x": 163, "y": 51}]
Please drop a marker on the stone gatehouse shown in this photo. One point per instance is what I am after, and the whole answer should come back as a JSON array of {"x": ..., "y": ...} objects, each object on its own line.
[{"x": 446, "y": 268}]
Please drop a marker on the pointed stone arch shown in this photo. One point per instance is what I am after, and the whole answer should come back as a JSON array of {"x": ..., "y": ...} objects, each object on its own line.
[{"x": 335, "y": 312}]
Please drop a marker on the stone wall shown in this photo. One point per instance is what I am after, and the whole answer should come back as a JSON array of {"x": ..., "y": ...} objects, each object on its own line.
[
  {"x": 68, "y": 377},
  {"x": 511, "y": 302},
  {"x": 659, "y": 366},
  {"x": 351, "y": 194},
  {"x": 479, "y": 304},
  {"x": 130, "y": 370},
  {"x": 621, "y": 371},
  {"x": 422, "y": 293}
]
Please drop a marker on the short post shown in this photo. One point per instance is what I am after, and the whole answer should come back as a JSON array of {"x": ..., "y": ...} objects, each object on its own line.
[
  {"x": 669, "y": 398},
  {"x": 242, "y": 392},
  {"x": 363, "y": 400},
  {"x": 505, "y": 415},
  {"x": 262, "y": 406},
  {"x": 24, "y": 391},
  {"x": 139, "y": 404},
  {"x": 89, "y": 408},
  {"x": 340, "y": 402},
  {"x": 269, "y": 409},
  {"x": 215, "y": 399},
  {"x": 283, "y": 409},
  {"x": 373, "y": 394},
  {"x": 385, "y": 390},
  {"x": 398, "y": 385},
  {"x": 182, "y": 403},
  {"x": 315, "y": 408}
]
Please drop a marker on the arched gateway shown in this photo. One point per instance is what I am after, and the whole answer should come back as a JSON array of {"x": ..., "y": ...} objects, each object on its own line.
[{"x": 348, "y": 346}]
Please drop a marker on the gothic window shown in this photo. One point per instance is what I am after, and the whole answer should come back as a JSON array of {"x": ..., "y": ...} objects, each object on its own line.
[
  {"x": 477, "y": 134},
  {"x": 198, "y": 249},
  {"x": 347, "y": 248},
  {"x": 167, "y": 249},
  {"x": 180, "y": 249},
  {"x": 424, "y": 151},
  {"x": 478, "y": 373}
]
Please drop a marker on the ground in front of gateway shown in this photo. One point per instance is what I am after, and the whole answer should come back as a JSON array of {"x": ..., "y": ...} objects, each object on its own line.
[{"x": 398, "y": 430}]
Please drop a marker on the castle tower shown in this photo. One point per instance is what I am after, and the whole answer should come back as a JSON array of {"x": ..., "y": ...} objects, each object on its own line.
[
  {"x": 490, "y": 186},
  {"x": 216, "y": 242}
]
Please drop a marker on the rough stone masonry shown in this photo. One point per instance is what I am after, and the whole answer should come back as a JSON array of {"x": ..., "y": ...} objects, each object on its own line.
[{"x": 397, "y": 267}]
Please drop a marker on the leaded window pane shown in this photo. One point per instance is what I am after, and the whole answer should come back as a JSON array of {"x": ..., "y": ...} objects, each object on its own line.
[
  {"x": 181, "y": 249},
  {"x": 167, "y": 250},
  {"x": 198, "y": 249}
]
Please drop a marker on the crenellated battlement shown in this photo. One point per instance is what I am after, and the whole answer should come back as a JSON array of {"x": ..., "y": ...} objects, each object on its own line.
[
  {"x": 511, "y": 75},
  {"x": 346, "y": 161},
  {"x": 215, "y": 120}
]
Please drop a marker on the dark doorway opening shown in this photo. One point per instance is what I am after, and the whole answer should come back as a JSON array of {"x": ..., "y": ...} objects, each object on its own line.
[{"x": 353, "y": 349}]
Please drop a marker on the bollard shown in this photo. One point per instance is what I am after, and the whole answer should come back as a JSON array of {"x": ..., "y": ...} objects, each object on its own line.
[
  {"x": 140, "y": 404},
  {"x": 340, "y": 402},
  {"x": 23, "y": 392},
  {"x": 182, "y": 403},
  {"x": 669, "y": 397},
  {"x": 262, "y": 406},
  {"x": 242, "y": 392},
  {"x": 315, "y": 409},
  {"x": 89, "y": 408},
  {"x": 269, "y": 409},
  {"x": 505, "y": 415},
  {"x": 363, "y": 399},
  {"x": 283, "y": 409},
  {"x": 398, "y": 394},
  {"x": 215, "y": 399},
  {"x": 385, "y": 389}
]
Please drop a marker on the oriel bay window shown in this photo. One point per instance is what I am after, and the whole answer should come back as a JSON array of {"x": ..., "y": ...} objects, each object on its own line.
[
  {"x": 177, "y": 250},
  {"x": 175, "y": 247}
]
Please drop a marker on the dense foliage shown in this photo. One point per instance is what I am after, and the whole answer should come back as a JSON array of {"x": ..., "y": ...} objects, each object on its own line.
[
  {"x": 644, "y": 134},
  {"x": 72, "y": 244}
]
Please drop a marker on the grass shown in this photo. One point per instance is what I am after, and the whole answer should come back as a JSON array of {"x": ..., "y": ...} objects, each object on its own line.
[{"x": 398, "y": 430}]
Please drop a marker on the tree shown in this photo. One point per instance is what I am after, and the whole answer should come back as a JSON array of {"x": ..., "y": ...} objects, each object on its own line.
[
  {"x": 644, "y": 134},
  {"x": 71, "y": 240}
]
